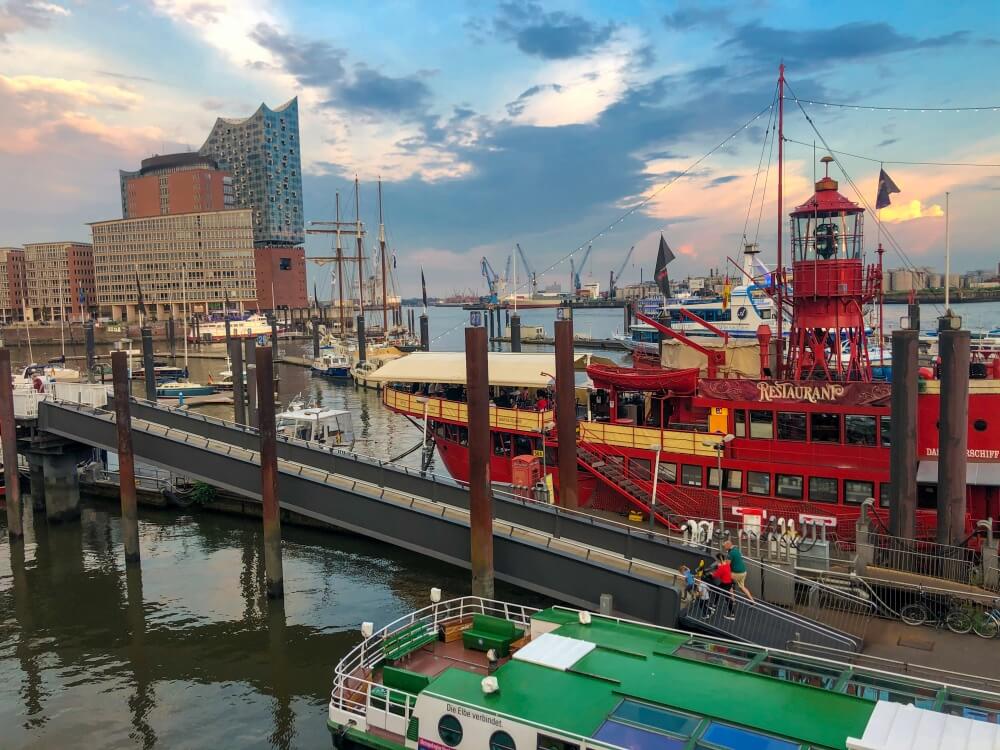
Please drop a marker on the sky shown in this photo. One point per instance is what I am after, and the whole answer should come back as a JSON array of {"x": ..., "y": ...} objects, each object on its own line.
[{"x": 539, "y": 123}]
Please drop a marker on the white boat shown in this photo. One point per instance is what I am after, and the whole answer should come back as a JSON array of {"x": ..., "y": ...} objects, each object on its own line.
[
  {"x": 251, "y": 326},
  {"x": 332, "y": 364},
  {"x": 178, "y": 388},
  {"x": 50, "y": 372},
  {"x": 333, "y": 427}
]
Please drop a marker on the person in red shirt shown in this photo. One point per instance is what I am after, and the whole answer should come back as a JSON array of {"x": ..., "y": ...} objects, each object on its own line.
[
  {"x": 723, "y": 574},
  {"x": 543, "y": 402}
]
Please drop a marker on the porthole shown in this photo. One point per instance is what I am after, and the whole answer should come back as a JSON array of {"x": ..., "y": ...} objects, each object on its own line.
[
  {"x": 979, "y": 425},
  {"x": 501, "y": 741},
  {"x": 450, "y": 730}
]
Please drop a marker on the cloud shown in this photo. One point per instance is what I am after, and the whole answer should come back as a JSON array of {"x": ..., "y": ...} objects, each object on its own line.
[
  {"x": 915, "y": 209},
  {"x": 375, "y": 93},
  {"x": 809, "y": 48},
  {"x": 124, "y": 76},
  {"x": 18, "y": 15},
  {"x": 313, "y": 63},
  {"x": 517, "y": 106},
  {"x": 690, "y": 16},
  {"x": 226, "y": 25},
  {"x": 886, "y": 142},
  {"x": 552, "y": 35},
  {"x": 68, "y": 92},
  {"x": 724, "y": 179}
]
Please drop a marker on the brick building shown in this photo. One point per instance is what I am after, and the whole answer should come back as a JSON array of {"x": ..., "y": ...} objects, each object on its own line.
[
  {"x": 59, "y": 280},
  {"x": 13, "y": 290},
  {"x": 175, "y": 184}
]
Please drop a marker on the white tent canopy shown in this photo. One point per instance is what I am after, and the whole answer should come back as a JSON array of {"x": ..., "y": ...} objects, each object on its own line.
[
  {"x": 894, "y": 726},
  {"x": 505, "y": 368}
]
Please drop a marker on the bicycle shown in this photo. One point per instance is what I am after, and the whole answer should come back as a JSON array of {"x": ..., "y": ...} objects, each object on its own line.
[
  {"x": 938, "y": 610},
  {"x": 986, "y": 624}
]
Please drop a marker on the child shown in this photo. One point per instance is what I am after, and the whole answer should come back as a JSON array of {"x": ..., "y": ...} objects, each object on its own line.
[{"x": 688, "y": 580}]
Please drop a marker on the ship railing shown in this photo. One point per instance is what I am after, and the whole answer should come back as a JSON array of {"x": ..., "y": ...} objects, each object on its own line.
[
  {"x": 645, "y": 438},
  {"x": 418, "y": 405},
  {"x": 147, "y": 479},
  {"x": 924, "y": 558},
  {"x": 353, "y": 684}
]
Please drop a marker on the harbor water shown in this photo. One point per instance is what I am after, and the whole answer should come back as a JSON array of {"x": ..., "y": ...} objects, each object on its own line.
[{"x": 186, "y": 651}]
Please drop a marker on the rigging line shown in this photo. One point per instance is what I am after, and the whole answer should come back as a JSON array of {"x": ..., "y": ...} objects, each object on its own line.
[
  {"x": 760, "y": 162},
  {"x": 767, "y": 176},
  {"x": 987, "y": 108},
  {"x": 885, "y": 230},
  {"x": 889, "y": 161},
  {"x": 610, "y": 227}
]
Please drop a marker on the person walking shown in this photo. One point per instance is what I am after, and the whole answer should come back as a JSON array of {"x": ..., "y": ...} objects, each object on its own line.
[
  {"x": 723, "y": 575},
  {"x": 739, "y": 568}
]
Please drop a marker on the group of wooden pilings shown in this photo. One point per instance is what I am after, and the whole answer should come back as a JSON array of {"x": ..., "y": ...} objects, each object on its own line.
[{"x": 478, "y": 395}]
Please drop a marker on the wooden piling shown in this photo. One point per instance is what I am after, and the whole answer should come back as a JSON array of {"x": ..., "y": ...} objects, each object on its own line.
[
  {"x": 480, "y": 490},
  {"x": 250, "y": 355},
  {"x": 148, "y": 362},
  {"x": 566, "y": 409},
  {"x": 953, "y": 431},
  {"x": 126, "y": 458},
  {"x": 362, "y": 344},
  {"x": 8, "y": 439},
  {"x": 425, "y": 333},
  {"x": 88, "y": 337},
  {"x": 515, "y": 332},
  {"x": 269, "y": 474},
  {"x": 903, "y": 435},
  {"x": 239, "y": 389},
  {"x": 315, "y": 337}
]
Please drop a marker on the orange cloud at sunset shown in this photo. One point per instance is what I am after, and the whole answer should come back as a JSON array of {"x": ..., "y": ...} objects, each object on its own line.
[{"x": 914, "y": 209}]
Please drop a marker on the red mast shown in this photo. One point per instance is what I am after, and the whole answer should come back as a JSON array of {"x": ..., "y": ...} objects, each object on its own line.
[{"x": 780, "y": 274}]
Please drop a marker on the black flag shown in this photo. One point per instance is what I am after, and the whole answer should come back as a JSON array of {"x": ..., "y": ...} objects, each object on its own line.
[
  {"x": 316, "y": 294},
  {"x": 885, "y": 187},
  {"x": 142, "y": 304},
  {"x": 663, "y": 257},
  {"x": 423, "y": 287}
]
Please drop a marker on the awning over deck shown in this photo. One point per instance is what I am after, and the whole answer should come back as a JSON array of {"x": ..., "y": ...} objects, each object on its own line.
[
  {"x": 505, "y": 368},
  {"x": 980, "y": 474},
  {"x": 632, "y": 379}
]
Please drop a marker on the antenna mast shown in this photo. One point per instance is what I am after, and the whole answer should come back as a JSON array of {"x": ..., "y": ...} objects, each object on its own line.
[
  {"x": 361, "y": 261},
  {"x": 381, "y": 245},
  {"x": 780, "y": 343},
  {"x": 340, "y": 270}
]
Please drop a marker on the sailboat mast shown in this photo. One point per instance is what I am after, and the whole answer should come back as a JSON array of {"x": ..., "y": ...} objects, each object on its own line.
[
  {"x": 62, "y": 313},
  {"x": 381, "y": 245},
  {"x": 361, "y": 260},
  {"x": 340, "y": 271},
  {"x": 781, "y": 218},
  {"x": 184, "y": 302}
]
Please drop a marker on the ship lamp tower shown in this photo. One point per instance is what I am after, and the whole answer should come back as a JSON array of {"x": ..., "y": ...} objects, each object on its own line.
[{"x": 831, "y": 287}]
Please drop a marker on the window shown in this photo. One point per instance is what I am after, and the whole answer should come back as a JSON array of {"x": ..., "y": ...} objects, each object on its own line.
[
  {"x": 979, "y": 425},
  {"x": 502, "y": 741},
  {"x": 691, "y": 475},
  {"x": 285, "y": 264},
  {"x": 788, "y": 485},
  {"x": 823, "y": 489},
  {"x": 762, "y": 424},
  {"x": 824, "y": 428},
  {"x": 740, "y": 423},
  {"x": 641, "y": 468},
  {"x": 883, "y": 495},
  {"x": 450, "y": 730},
  {"x": 859, "y": 430},
  {"x": 758, "y": 483},
  {"x": 732, "y": 479},
  {"x": 655, "y": 717},
  {"x": 791, "y": 425},
  {"x": 554, "y": 743},
  {"x": 716, "y": 653},
  {"x": 737, "y": 738},
  {"x": 857, "y": 492},
  {"x": 668, "y": 472},
  {"x": 884, "y": 431}
]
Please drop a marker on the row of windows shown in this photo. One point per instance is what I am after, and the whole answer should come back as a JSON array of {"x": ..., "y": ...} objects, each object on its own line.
[{"x": 819, "y": 427}]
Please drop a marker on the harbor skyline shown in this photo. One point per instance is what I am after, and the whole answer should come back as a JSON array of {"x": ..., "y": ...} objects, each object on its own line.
[{"x": 510, "y": 122}]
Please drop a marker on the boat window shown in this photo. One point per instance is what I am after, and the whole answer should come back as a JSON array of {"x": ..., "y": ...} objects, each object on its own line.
[
  {"x": 823, "y": 489},
  {"x": 691, "y": 475},
  {"x": 791, "y": 425},
  {"x": 501, "y": 444},
  {"x": 554, "y": 743},
  {"x": 302, "y": 432},
  {"x": 636, "y": 738},
  {"x": 737, "y": 738},
  {"x": 859, "y": 429},
  {"x": 883, "y": 495},
  {"x": 655, "y": 717},
  {"x": 734, "y": 480},
  {"x": 972, "y": 707},
  {"x": 668, "y": 472},
  {"x": 758, "y": 483},
  {"x": 716, "y": 653},
  {"x": 450, "y": 730},
  {"x": 824, "y": 428},
  {"x": 857, "y": 492},
  {"x": 740, "y": 423},
  {"x": 799, "y": 671},
  {"x": 887, "y": 689},
  {"x": 765, "y": 313},
  {"x": 926, "y": 496},
  {"x": 884, "y": 433},
  {"x": 762, "y": 424},
  {"x": 640, "y": 467},
  {"x": 502, "y": 741},
  {"x": 788, "y": 485}
]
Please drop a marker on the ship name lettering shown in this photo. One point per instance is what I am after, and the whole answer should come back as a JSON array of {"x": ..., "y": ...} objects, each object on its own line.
[
  {"x": 797, "y": 392},
  {"x": 474, "y": 715}
]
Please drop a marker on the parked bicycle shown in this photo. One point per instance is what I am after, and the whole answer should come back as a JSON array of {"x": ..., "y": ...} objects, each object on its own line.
[
  {"x": 986, "y": 623},
  {"x": 938, "y": 611}
]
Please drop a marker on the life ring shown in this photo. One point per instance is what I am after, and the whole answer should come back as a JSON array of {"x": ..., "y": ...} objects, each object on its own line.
[{"x": 741, "y": 312}]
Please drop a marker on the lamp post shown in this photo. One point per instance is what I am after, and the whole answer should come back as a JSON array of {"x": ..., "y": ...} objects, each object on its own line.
[
  {"x": 719, "y": 446},
  {"x": 656, "y": 475},
  {"x": 424, "y": 400}
]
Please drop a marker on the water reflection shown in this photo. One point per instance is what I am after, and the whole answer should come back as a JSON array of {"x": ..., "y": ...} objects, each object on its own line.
[{"x": 186, "y": 650}]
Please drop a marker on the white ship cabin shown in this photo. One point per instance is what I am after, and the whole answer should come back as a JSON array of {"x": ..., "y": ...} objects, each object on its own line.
[{"x": 332, "y": 427}]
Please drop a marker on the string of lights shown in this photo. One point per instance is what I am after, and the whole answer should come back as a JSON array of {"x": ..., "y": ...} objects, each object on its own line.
[
  {"x": 898, "y": 161},
  {"x": 760, "y": 164},
  {"x": 874, "y": 108},
  {"x": 645, "y": 201}
]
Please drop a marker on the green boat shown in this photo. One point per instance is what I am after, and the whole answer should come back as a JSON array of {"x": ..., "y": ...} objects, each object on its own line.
[{"x": 476, "y": 674}]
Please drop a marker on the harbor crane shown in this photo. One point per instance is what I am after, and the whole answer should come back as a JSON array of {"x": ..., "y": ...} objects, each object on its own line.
[
  {"x": 574, "y": 272},
  {"x": 493, "y": 280},
  {"x": 616, "y": 276},
  {"x": 530, "y": 271}
]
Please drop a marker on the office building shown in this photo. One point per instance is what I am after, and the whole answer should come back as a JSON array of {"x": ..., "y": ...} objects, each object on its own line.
[
  {"x": 262, "y": 154},
  {"x": 175, "y": 184},
  {"x": 59, "y": 280},
  {"x": 195, "y": 259},
  {"x": 12, "y": 284}
]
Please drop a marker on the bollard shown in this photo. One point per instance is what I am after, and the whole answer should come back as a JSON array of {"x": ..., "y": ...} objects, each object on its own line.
[
  {"x": 362, "y": 347},
  {"x": 148, "y": 363},
  {"x": 566, "y": 408},
  {"x": 425, "y": 333},
  {"x": 480, "y": 490},
  {"x": 8, "y": 439},
  {"x": 126, "y": 458},
  {"x": 903, "y": 435},
  {"x": 239, "y": 389},
  {"x": 269, "y": 474},
  {"x": 88, "y": 335},
  {"x": 515, "y": 332},
  {"x": 953, "y": 345},
  {"x": 250, "y": 355}
]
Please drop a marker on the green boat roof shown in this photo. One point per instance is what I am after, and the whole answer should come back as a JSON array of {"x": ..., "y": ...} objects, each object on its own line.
[{"x": 640, "y": 662}]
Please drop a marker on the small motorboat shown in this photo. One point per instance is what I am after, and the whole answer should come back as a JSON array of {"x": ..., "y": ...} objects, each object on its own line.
[
  {"x": 177, "y": 389},
  {"x": 332, "y": 365},
  {"x": 318, "y": 425},
  {"x": 51, "y": 371}
]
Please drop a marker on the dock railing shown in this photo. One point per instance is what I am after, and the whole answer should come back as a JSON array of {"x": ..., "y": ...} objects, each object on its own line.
[{"x": 923, "y": 558}]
